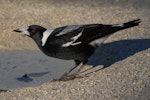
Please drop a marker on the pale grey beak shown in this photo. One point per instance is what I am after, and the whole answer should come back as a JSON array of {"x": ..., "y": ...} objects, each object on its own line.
[{"x": 23, "y": 31}]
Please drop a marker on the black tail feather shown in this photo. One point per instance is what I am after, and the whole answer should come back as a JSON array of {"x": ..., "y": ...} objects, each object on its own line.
[
  {"x": 131, "y": 23},
  {"x": 118, "y": 27}
]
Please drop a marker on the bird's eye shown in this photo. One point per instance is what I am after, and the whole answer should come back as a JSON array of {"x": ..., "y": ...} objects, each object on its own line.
[{"x": 33, "y": 31}]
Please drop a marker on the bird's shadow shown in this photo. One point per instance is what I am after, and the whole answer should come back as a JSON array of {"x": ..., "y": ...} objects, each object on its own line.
[{"x": 110, "y": 53}]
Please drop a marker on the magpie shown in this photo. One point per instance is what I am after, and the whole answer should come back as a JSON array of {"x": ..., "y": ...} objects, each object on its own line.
[{"x": 73, "y": 42}]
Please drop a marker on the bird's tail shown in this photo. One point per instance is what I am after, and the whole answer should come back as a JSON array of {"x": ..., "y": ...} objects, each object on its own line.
[
  {"x": 132, "y": 23},
  {"x": 128, "y": 24}
]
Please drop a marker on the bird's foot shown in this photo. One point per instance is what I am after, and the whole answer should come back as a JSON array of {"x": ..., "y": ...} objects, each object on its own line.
[{"x": 66, "y": 77}]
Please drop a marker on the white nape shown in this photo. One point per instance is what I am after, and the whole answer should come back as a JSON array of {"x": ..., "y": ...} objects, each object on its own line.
[{"x": 46, "y": 34}]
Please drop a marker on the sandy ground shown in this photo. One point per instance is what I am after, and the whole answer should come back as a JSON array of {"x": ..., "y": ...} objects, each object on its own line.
[{"x": 125, "y": 55}]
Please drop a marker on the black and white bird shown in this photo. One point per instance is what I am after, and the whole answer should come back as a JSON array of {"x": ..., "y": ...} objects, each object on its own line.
[{"x": 73, "y": 42}]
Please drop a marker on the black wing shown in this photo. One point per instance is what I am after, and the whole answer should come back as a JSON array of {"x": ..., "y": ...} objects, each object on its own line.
[
  {"x": 67, "y": 34},
  {"x": 92, "y": 32},
  {"x": 77, "y": 34}
]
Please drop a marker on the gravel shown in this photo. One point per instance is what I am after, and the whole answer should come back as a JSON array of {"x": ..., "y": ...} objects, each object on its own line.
[{"x": 125, "y": 56}]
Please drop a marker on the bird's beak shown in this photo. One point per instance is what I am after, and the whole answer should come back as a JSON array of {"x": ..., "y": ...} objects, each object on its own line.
[
  {"x": 23, "y": 31},
  {"x": 17, "y": 30}
]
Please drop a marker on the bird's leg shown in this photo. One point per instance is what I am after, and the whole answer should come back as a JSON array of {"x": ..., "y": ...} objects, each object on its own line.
[
  {"x": 78, "y": 71},
  {"x": 76, "y": 74},
  {"x": 81, "y": 67},
  {"x": 77, "y": 62},
  {"x": 66, "y": 76},
  {"x": 70, "y": 70}
]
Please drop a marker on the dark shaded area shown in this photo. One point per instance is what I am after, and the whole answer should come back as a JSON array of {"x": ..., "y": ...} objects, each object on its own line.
[
  {"x": 3, "y": 90},
  {"x": 38, "y": 74},
  {"x": 110, "y": 53},
  {"x": 25, "y": 78}
]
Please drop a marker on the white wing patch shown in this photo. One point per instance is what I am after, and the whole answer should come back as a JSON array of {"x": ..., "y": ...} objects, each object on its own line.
[
  {"x": 70, "y": 43},
  {"x": 98, "y": 42},
  {"x": 68, "y": 29},
  {"x": 73, "y": 40},
  {"x": 46, "y": 34}
]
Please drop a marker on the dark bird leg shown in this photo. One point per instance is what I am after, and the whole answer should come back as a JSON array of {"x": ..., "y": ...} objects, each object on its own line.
[
  {"x": 66, "y": 76},
  {"x": 77, "y": 62},
  {"x": 78, "y": 71}
]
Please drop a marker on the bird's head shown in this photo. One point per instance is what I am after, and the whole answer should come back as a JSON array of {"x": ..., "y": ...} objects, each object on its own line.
[
  {"x": 31, "y": 31},
  {"x": 36, "y": 32}
]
